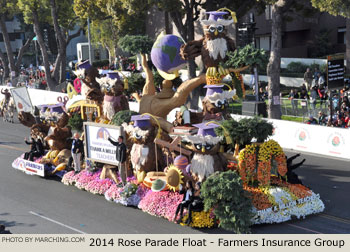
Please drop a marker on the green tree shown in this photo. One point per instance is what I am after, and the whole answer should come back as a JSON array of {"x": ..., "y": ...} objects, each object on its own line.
[
  {"x": 113, "y": 19},
  {"x": 338, "y": 8},
  {"x": 35, "y": 12},
  {"x": 8, "y": 9},
  {"x": 60, "y": 15},
  {"x": 63, "y": 20},
  {"x": 136, "y": 44},
  {"x": 106, "y": 33}
]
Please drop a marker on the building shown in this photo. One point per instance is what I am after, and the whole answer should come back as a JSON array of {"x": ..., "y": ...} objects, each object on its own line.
[
  {"x": 303, "y": 37},
  {"x": 16, "y": 35}
]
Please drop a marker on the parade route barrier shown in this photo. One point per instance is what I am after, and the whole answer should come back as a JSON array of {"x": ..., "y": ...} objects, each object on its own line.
[
  {"x": 40, "y": 97},
  {"x": 328, "y": 141}
]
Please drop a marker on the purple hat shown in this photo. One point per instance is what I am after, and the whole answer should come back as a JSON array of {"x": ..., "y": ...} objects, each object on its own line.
[
  {"x": 141, "y": 121},
  {"x": 215, "y": 15},
  {"x": 205, "y": 129},
  {"x": 113, "y": 75},
  {"x": 84, "y": 65},
  {"x": 211, "y": 89}
]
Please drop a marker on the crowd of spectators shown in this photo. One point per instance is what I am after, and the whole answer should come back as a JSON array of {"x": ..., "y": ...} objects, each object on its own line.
[
  {"x": 338, "y": 111},
  {"x": 32, "y": 77}
]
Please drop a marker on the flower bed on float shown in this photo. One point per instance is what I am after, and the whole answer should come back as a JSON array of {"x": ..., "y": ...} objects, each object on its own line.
[{"x": 273, "y": 199}]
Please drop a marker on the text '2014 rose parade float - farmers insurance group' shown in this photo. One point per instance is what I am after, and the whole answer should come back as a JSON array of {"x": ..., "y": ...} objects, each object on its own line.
[{"x": 174, "y": 170}]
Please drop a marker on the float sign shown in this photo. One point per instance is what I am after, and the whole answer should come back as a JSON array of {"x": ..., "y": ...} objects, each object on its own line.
[
  {"x": 335, "y": 71},
  {"x": 97, "y": 146},
  {"x": 29, "y": 167}
]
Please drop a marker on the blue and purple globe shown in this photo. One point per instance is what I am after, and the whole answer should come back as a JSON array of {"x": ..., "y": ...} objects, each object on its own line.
[{"x": 165, "y": 54}]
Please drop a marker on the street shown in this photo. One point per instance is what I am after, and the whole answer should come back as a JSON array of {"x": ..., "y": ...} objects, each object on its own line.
[{"x": 34, "y": 205}]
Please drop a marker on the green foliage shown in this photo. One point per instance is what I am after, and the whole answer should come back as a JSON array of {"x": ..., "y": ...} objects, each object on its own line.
[
  {"x": 100, "y": 63},
  {"x": 333, "y": 7},
  {"x": 122, "y": 116},
  {"x": 322, "y": 45},
  {"x": 260, "y": 129},
  {"x": 106, "y": 33},
  {"x": 135, "y": 44},
  {"x": 75, "y": 122},
  {"x": 224, "y": 192},
  {"x": 243, "y": 131},
  {"x": 8, "y": 7},
  {"x": 89, "y": 9},
  {"x": 126, "y": 20},
  {"x": 247, "y": 55},
  {"x": 237, "y": 85},
  {"x": 136, "y": 83},
  {"x": 297, "y": 67},
  {"x": 29, "y": 6}
]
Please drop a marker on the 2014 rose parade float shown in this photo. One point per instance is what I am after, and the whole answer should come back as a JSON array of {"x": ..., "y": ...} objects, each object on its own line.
[{"x": 203, "y": 169}]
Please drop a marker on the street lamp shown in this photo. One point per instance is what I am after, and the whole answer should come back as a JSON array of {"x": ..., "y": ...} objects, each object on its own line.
[{"x": 89, "y": 41}]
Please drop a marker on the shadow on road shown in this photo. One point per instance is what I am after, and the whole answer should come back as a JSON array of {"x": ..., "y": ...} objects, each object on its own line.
[{"x": 13, "y": 223}]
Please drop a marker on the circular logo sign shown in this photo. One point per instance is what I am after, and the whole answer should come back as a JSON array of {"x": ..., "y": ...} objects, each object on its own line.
[
  {"x": 302, "y": 135},
  {"x": 335, "y": 141}
]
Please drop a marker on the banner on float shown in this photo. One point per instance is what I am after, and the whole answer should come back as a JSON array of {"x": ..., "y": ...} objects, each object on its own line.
[
  {"x": 316, "y": 139},
  {"x": 97, "y": 146},
  {"x": 22, "y": 99},
  {"x": 29, "y": 167}
]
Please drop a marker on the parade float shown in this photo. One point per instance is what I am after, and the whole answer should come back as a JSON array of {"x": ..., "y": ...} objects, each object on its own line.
[{"x": 233, "y": 175}]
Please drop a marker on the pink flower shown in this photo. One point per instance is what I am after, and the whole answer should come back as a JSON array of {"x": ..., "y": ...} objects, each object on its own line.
[
  {"x": 99, "y": 186},
  {"x": 162, "y": 204}
]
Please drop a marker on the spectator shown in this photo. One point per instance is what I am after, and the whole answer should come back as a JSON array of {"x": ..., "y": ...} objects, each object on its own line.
[
  {"x": 311, "y": 120},
  {"x": 322, "y": 93},
  {"x": 329, "y": 122},
  {"x": 322, "y": 119},
  {"x": 293, "y": 95},
  {"x": 347, "y": 119},
  {"x": 9, "y": 83},
  {"x": 339, "y": 123},
  {"x": 304, "y": 95},
  {"x": 304, "y": 103},
  {"x": 308, "y": 79},
  {"x": 262, "y": 94},
  {"x": 303, "y": 87},
  {"x": 316, "y": 75},
  {"x": 1, "y": 76},
  {"x": 313, "y": 97}
]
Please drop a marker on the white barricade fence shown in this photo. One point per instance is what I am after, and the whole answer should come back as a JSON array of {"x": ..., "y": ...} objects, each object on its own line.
[
  {"x": 40, "y": 97},
  {"x": 315, "y": 139}
]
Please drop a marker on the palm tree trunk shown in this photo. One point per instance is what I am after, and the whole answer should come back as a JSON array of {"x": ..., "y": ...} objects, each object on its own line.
[
  {"x": 4, "y": 65},
  {"x": 8, "y": 46},
  {"x": 347, "y": 37},
  {"x": 63, "y": 67},
  {"x": 51, "y": 83},
  {"x": 274, "y": 65}
]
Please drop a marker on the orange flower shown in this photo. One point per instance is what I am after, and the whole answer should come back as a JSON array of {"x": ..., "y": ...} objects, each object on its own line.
[{"x": 258, "y": 197}]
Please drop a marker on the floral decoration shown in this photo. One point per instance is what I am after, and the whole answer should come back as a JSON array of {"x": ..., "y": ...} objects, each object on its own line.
[
  {"x": 99, "y": 186},
  {"x": 199, "y": 220},
  {"x": 161, "y": 204}
]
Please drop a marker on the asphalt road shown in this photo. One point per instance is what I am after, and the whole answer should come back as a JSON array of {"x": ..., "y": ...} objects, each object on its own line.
[{"x": 34, "y": 205}]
